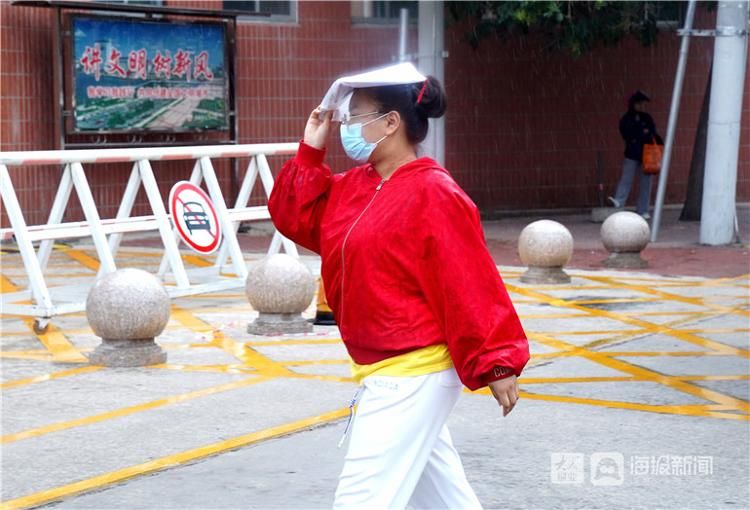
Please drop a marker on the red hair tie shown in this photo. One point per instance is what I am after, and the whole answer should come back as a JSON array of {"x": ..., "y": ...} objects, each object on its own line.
[{"x": 421, "y": 92}]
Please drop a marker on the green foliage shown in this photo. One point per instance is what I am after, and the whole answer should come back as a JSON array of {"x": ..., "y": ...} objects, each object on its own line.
[{"x": 572, "y": 26}]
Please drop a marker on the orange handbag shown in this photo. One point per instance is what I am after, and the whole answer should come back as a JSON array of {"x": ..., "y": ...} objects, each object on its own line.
[{"x": 652, "y": 153}]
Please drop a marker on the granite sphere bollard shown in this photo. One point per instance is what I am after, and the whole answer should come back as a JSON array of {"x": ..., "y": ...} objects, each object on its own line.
[
  {"x": 545, "y": 246},
  {"x": 280, "y": 288},
  {"x": 128, "y": 309},
  {"x": 625, "y": 235}
]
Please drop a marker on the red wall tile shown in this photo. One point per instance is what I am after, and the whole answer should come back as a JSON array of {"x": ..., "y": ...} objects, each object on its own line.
[{"x": 524, "y": 124}]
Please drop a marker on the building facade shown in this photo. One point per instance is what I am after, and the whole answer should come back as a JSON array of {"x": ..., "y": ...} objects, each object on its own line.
[{"x": 526, "y": 128}]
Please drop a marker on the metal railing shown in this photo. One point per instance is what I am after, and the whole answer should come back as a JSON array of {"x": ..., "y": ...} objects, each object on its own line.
[{"x": 107, "y": 234}]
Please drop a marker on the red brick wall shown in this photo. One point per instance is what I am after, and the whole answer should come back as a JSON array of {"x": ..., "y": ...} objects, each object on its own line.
[
  {"x": 523, "y": 128},
  {"x": 282, "y": 72},
  {"x": 525, "y": 124},
  {"x": 26, "y": 100}
]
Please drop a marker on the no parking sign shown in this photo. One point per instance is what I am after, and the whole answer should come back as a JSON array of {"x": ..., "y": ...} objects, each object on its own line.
[{"x": 194, "y": 216}]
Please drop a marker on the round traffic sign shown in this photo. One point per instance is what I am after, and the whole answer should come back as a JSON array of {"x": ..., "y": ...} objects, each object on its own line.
[{"x": 194, "y": 217}]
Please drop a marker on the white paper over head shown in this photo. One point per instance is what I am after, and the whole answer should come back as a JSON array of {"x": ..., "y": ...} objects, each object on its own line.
[{"x": 338, "y": 96}]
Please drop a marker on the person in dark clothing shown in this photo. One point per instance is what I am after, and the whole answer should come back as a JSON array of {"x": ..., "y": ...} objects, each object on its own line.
[{"x": 636, "y": 128}]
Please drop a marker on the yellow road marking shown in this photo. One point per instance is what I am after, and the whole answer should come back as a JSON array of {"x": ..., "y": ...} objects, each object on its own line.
[
  {"x": 221, "y": 369},
  {"x": 311, "y": 341},
  {"x": 667, "y": 353},
  {"x": 19, "y": 270},
  {"x": 60, "y": 276},
  {"x": 301, "y": 363},
  {"x": 48, "y": 377},
  {"x": 551, "y": 315},
  {"x": 713, "y": 377},
  {"x": 548, "y": 355},
  {"x": 594, "y": 379},
  {"x": 689, "y": 410},
  {"x": 82, "y": 257},
  {"x": 269, "y": 367},
  {"x": 6, "y": 286},
  {"x": 57, "y": 344},
  {"x": 250, "y": 356},
  {"x": 97, "y": 482},
  {"x": 595, "y": 343},
  {"x": 239, "y": 350},
  {"x": 706, "y": 410},
  {"x": 125, "y": 411},
  {"x": 633, "y": 321},
  {"x": 190, "y": 321},
  {"x": 612, "y": 300},
  {"x": 26, "y": 355},
  {"x": 197, "y": 261},
  {"x": 617, "y": 332},
  {"x": 628, "y": 368},
  {"x": 717, "y": 330},
  {"x": 570, "y": 287},
  {"x": 240, "y": 309},
  {"x": 669, "y": 314},
  {"x": 696, "y": 301}
]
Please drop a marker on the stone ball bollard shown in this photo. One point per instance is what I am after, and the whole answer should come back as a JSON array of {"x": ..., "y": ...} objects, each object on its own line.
[
  {"x": 545, "y": 246},
  {"x": 625, "y": 234},
  {"x": 127, "y": 309},
  {"x": 280, "y": 287}
]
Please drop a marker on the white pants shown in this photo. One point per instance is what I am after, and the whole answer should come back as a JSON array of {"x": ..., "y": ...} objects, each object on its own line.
[{"x": 400, "y": 451}]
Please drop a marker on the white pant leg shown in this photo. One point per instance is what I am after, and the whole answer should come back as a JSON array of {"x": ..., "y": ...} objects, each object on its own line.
[
  {"x": 443, "y": 483},
  {"x": 393, "y": 435}
]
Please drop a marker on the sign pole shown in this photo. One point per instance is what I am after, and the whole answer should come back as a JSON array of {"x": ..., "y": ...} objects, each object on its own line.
[{"x": 674, "y": 111}]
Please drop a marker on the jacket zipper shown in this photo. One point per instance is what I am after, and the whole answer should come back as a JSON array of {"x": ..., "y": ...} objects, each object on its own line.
[{"x": 343, "y": 246}]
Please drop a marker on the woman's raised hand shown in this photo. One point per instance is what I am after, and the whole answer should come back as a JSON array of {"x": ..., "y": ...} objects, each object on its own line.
[{"x": 316, "y": 130}]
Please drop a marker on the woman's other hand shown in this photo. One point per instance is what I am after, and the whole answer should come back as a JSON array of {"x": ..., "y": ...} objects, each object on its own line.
[
  {"x": 316, "y": 130},
  {"x": 505, "y": 392}
]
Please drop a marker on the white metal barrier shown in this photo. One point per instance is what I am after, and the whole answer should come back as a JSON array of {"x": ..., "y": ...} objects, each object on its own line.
[{"x": 47, "y": 302}]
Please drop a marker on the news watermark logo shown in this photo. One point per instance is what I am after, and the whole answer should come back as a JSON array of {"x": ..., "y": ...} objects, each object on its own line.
[
  {"x": 609, "y": 468},
  {"x": 672, "y": 465},
  {"x": 567, "y": 468}
]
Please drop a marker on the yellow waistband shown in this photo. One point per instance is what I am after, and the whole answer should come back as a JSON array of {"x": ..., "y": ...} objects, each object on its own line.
[{"x": 426, "y": 360}]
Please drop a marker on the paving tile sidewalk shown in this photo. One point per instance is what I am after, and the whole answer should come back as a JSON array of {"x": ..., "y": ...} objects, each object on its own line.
[
  {"x": 676, "y": 253},
  {"x": 652, "y": 370}
]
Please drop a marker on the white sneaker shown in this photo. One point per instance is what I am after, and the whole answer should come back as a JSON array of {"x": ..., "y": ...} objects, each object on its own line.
[
  {"x": 646, "y": 216},
  {"x": 614, "y": 202}
]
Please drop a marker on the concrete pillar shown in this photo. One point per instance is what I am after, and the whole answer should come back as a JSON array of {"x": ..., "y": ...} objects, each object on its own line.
[
  {"x": 280, "y": 288},
  {"x": 545, "y": 246},
  {"x": 625, "y": 235},
  {"x": 722, "y": 147},
  {"x": 430, "y": 61},
  {"x": 128, "y": 309}
]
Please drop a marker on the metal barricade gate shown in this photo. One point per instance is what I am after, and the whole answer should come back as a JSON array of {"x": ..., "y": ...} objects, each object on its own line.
[{"x": 47, "y": 302}]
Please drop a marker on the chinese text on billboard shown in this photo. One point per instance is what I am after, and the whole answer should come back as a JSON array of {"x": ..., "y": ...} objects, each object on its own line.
[{"x": 148, "y": 76}]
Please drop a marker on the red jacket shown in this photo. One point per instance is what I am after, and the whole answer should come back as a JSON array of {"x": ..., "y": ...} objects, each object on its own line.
[{"x": 404, "y": 262}]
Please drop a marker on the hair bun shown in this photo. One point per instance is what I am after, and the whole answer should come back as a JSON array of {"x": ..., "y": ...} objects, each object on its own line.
[{"x": 433, "y": 101}]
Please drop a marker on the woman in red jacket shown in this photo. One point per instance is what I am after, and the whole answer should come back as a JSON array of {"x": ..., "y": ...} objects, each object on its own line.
[{"x": 417, "y": 297}]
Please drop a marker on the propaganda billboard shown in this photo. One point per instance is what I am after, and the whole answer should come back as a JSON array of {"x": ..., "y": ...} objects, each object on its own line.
[{"x": 149, "y": 76}]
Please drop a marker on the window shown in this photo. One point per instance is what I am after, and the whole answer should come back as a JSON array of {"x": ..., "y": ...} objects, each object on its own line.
[
  {"x": 383, "y": 11},
  {"x": 283, "y": 11}
]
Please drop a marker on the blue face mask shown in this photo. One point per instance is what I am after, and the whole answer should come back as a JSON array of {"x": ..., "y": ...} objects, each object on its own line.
[{"x": 355, "y": 145}]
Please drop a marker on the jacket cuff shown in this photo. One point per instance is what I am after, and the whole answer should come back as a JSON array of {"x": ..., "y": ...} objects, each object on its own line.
[
  {"x": 497, "y": 373},
  {"x": 309, "y": 155}
]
